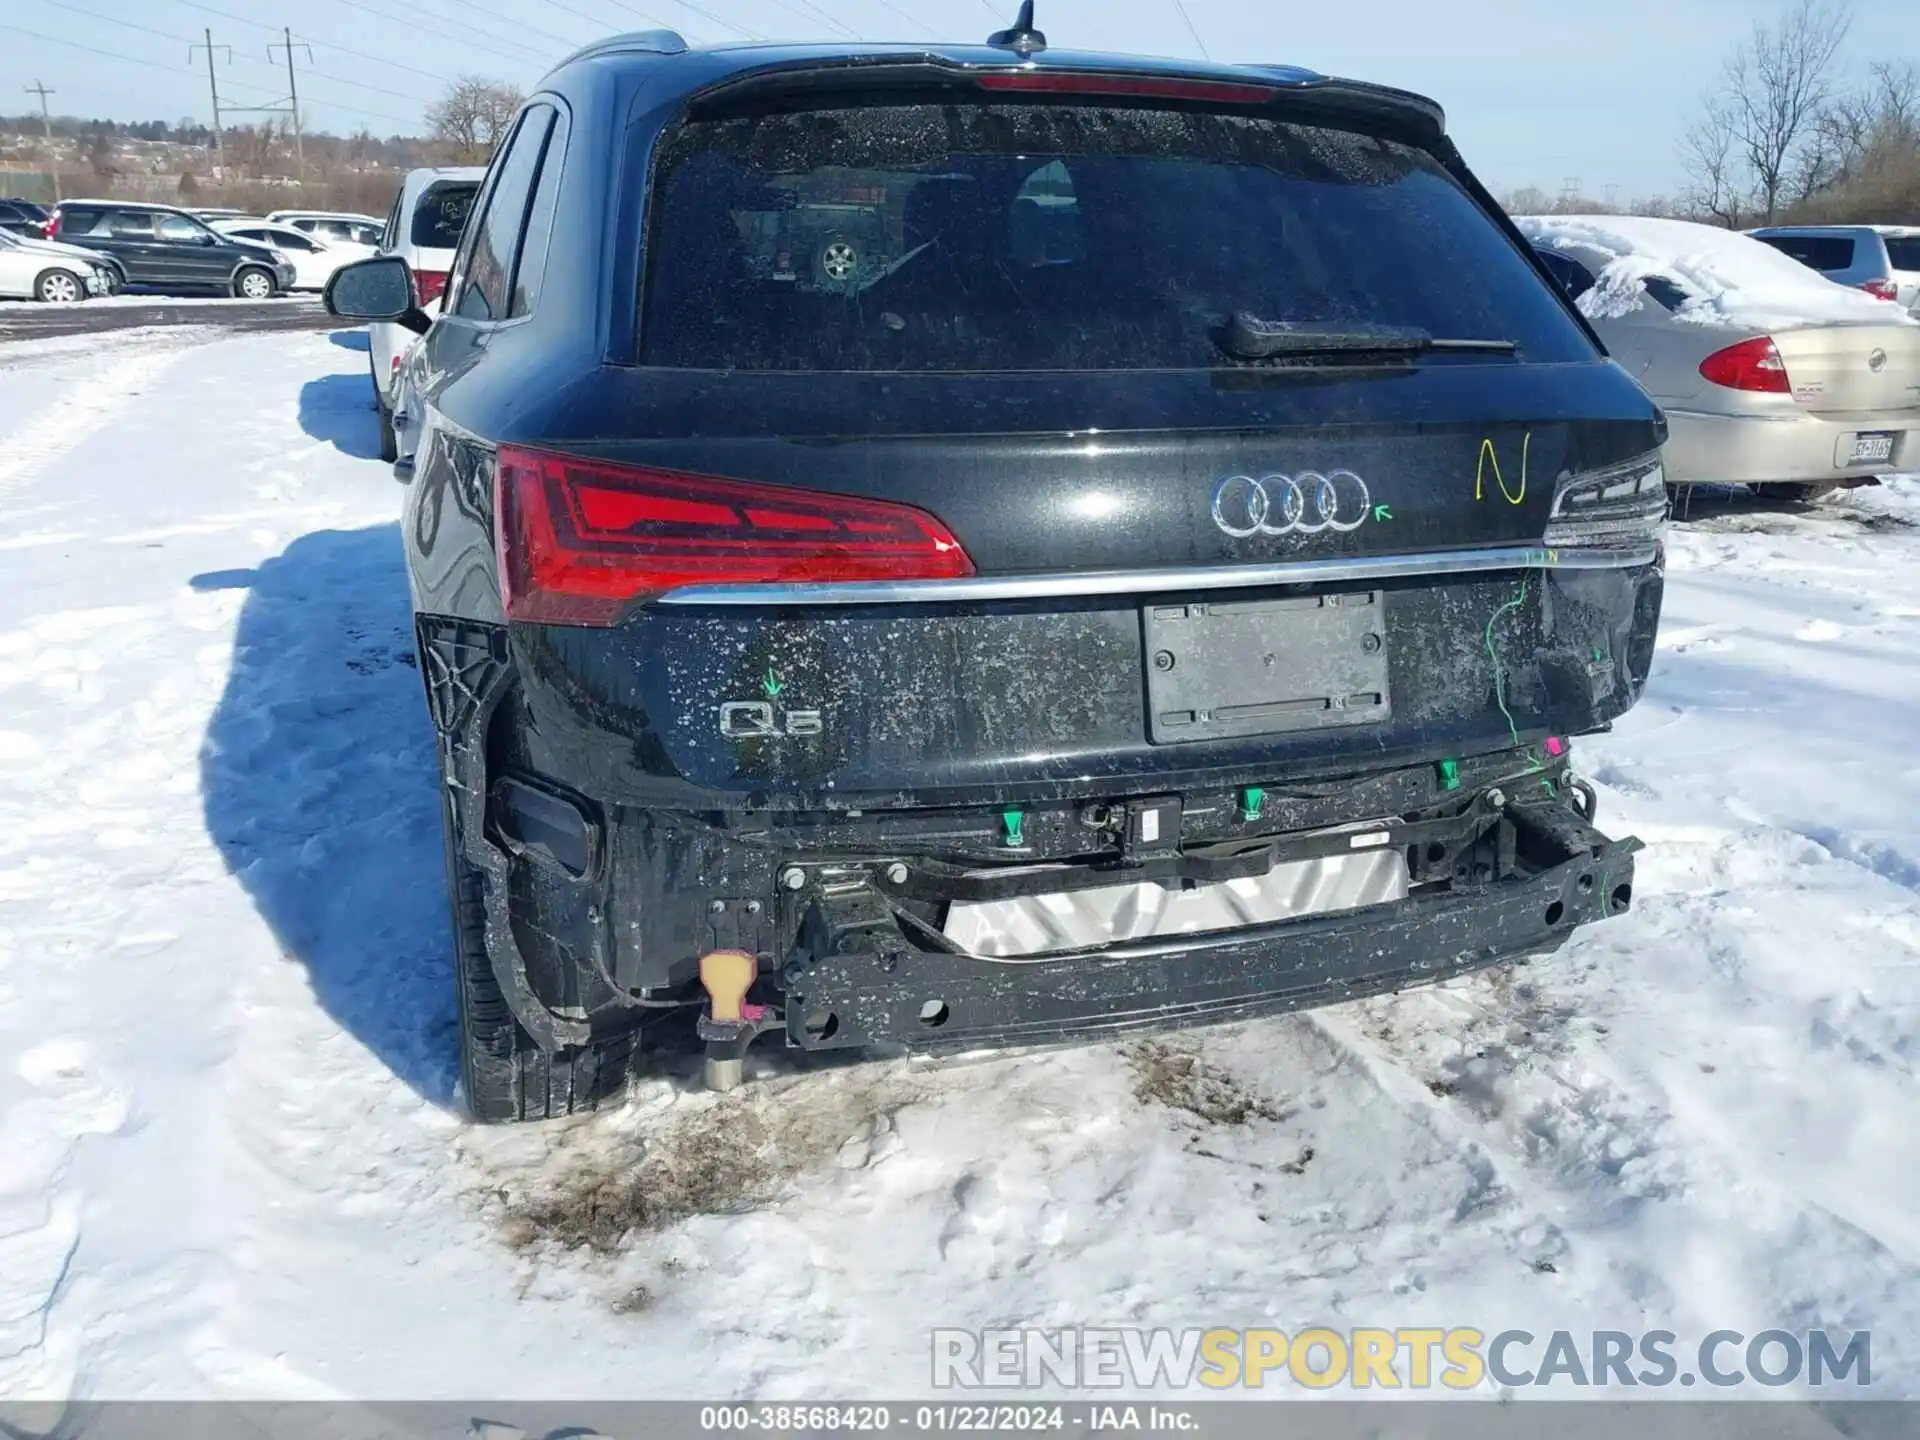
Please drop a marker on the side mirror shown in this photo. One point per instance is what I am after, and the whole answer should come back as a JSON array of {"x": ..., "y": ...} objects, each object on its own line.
[{"x": 380, "y": 289}]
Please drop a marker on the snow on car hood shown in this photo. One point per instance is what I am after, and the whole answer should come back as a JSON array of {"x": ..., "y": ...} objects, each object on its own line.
[{"x": 1730, "y": 279}]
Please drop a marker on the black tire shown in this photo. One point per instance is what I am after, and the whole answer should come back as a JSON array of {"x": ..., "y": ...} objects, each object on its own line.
[
  {"x": 248, "y": 277},
  {"x": 506, "y": 1076},
  {"x": 59, "y": 287},
  {"x": 389, "y": 443}
]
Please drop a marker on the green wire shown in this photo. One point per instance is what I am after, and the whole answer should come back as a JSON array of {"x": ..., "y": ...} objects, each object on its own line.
[{"x": 1499, "y": 669}]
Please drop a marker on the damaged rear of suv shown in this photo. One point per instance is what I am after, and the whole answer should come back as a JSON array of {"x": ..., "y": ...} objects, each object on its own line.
[{"x": 1152, "y": 580}]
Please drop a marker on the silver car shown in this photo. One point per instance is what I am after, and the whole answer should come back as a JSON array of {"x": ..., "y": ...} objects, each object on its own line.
[
  {"x": 1770, "y": 375},
  {"x": 1883, "y": 260}
]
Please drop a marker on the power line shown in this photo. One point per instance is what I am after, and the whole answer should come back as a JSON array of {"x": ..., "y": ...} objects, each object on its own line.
[
  {"x": 409, "y": 21},
  {"x": 116, "y": 20},
  {"x": 701, "y": 10},
  {"x": 213, "y": 85},
  {"x": 910, "y": 19},
  {"x": 248, "y": 59},
  {"x": 1192, "y": 29},
  {"x": 814, "y": 13},
  {"x": 90, "y": 49},
  {"x": 343, "y": 49},
  {"x": 468, "y": 41},
  {"x": 46, "y": 128},
  {"x": 288, "y": 43}
]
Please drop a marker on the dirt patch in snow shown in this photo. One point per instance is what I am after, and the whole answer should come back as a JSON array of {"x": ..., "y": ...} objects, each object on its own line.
[
  {"x": 1181, "y": 1080},
  {"x": 702, "y": 1158}
]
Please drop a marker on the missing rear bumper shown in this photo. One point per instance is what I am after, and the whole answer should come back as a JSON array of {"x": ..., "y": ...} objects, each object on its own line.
[{"x": 861, "y": 983}]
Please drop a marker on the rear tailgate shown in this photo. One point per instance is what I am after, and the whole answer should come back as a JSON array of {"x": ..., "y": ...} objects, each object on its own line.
[{"x": 1175, "y": 563}]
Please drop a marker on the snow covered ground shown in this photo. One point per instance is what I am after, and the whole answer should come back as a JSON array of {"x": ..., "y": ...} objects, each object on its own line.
[{"x": 231, "y": 1161}]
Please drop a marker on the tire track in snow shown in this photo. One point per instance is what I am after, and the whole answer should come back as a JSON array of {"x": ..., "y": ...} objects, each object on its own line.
[{"x": 88, "y": 408}]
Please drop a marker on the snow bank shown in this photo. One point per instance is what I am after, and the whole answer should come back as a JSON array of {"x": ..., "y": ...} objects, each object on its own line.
[{"x": 1730, "y": 279}]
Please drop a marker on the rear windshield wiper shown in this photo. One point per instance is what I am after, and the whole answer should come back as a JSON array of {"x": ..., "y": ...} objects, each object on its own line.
[{"x": 1248, "y": 337}]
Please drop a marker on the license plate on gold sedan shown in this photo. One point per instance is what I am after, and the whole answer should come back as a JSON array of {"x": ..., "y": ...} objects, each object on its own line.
[{"x": 1867, "y": 448}]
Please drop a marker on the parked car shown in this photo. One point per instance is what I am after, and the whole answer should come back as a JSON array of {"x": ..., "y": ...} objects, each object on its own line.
[
  {"x": 24, "y": 217},
  {"x": 1883, "y": 260},
  {"x": 48, "y": 271},
  {"x": 1769, "y": 375},
  {"x": 423, "y": 229},
  {"x": 1169, "y": 612},
  {"x": 160, "y": 248},
  {"x": 344, "y": 225},
  {"x": 314, "y": 259}
]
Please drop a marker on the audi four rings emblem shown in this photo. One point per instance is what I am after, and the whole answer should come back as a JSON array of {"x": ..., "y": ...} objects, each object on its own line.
[{"x": 1303, "y": 504}]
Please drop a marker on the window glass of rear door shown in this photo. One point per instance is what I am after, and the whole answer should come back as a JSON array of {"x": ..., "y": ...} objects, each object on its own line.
[
  {"x": 497, "y": 235},
  {"x": 987, "y": 235}
]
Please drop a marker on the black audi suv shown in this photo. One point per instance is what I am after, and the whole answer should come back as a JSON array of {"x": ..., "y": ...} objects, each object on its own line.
[{"x": 1151, "y": 578}]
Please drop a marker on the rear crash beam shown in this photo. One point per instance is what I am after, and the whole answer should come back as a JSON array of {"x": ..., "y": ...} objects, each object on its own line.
[{"x": 858, "y": 979}]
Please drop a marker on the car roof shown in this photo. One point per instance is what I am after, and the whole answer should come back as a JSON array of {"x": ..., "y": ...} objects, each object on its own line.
[
  {"x": 130, "y": 205},
  {"x": 654, "y": 55},
  {"x": 1818, "y": 230}
]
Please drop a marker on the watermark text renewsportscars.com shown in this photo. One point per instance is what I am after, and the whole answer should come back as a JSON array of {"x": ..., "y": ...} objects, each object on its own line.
[{"x": 1402, "y": 1358}]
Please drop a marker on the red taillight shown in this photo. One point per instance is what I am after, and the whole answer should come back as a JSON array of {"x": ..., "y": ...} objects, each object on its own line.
[
  {"x": 1056, "y": 82},
  {"x": 1751, "y": 365},
  {"x": 50, "y": 227},
  {"x": 428, "y": 286},
  {"x": 580, "y": 539},
  {"x": 1882, "y": 290}
]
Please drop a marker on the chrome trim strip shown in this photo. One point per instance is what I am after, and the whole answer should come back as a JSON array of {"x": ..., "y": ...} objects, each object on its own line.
[{"x": 1336, "y": 571}]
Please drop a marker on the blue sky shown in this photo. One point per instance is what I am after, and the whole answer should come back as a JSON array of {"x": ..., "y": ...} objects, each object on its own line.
[{"x": 1540, "y": 92}]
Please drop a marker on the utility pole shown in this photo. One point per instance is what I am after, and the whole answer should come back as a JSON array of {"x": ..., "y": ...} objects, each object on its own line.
[
  {"x": 46, "y": 128},
  {"x": 293, "y": 93},
  {"x": 213, "y": 86}
]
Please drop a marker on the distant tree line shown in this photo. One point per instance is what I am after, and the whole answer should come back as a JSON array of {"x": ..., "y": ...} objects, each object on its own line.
[{"x": 1781, "y": 136}]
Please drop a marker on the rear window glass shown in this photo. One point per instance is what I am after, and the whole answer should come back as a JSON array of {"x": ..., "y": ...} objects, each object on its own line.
[
  {"x": 1822, "y": 252},
  {"x": 1074, "y": 237},
  {"x": 442, "y": 213},
  {"x": 1904, "y": 251}
]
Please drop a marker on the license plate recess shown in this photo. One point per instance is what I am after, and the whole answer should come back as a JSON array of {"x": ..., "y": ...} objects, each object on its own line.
[
  {"x": 1871, "y": 447},
  {"x": 1265, "y": 667}
]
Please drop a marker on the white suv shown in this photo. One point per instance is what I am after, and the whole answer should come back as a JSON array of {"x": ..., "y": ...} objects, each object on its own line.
[
  {"x": 424, "y": 230},
  {"x": 330, "y": 225}
]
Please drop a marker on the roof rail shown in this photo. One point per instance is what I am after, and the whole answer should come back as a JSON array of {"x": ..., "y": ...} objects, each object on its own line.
[{"x": 656, "y": 42}]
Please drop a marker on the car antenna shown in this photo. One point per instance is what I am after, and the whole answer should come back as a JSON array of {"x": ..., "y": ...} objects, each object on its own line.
[{"x": 1022, "y": 39}]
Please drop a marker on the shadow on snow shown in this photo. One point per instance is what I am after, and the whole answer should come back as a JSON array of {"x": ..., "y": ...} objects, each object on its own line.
[
  {"x": 318, "y": 777},
  {"x": 339, "y": 410},
  {"x": 318, "y": 774}
]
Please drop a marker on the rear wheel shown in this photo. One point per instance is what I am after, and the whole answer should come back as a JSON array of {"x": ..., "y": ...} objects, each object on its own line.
[
  {"x": 59, "y": 287},
  {"x": 253, "y": 283},
  {"x": 506, "y": 1076},
  {"x": 836, "y": 262}
]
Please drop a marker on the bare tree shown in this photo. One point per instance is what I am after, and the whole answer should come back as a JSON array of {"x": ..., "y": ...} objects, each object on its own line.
[
  {"x": 1714, "y": 185},
  {"x": 472, "y": 117},
  {"x": 1775, "y": 87},
  {"x": 1861, "y": 126}
]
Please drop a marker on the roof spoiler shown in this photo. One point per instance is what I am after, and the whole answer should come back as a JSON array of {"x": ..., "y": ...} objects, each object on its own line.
[{"x": 1403, "y": 112}]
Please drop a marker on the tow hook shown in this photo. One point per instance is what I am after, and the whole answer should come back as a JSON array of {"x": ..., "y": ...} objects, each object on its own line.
[{"x": 730, "y": 1024}]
